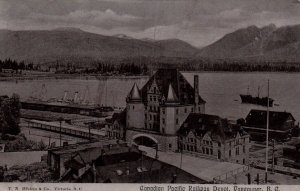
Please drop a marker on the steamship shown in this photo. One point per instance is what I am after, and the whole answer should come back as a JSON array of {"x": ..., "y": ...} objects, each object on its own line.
[
  {"x": 76, "y": 105},
  {"x": 257, "y": 100}
]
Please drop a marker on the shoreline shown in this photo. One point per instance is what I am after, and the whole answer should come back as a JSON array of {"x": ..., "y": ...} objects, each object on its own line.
[
  {"x": 103, "y": 77},
  {"x": 68, "y": 76}
]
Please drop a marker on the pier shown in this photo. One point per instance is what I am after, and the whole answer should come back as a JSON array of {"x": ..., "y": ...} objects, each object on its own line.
[{"x": 66, "y": 129}]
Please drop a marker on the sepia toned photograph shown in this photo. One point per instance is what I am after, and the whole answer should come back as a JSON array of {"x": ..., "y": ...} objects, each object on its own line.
[{"x": 197, "y": 92}]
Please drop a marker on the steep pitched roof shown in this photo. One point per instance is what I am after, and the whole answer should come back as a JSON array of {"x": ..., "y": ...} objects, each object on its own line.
[
  {"x": 120, "y": 117},
  {"x": 258, "y": 118},
  {"x": 218, "y": 129},
  {"x": 181, "y": 87},
  {"x": 171, "y": 98},
  {"x": 134, "y": 94}
]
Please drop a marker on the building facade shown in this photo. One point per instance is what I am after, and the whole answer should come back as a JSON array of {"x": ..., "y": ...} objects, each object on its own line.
[
  {"x": 158, "y": 110},
  {"x": 212, "y": 137},
  {"x": 115, "y": 126}
]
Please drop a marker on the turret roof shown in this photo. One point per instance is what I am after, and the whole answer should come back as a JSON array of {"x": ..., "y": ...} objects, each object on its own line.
[
  {"x": 172, "y": 97},
  {"x": 134, "y": 94}
]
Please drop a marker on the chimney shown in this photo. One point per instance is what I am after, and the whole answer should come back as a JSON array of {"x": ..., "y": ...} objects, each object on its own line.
[
  {"x": 65, "y": 96},
  {"x": 196, "y": 89},
  {"x": 75, "y": 97}
]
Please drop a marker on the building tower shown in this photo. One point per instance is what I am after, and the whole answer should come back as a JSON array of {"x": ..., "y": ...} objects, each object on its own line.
[
  {"x": 171, "y": 110},
  {"x": 135, "y": 109}
]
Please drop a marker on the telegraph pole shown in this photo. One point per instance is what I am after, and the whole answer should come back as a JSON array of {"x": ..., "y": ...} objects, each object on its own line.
[
  {"x": 156, "y": 151},
  {"x": 267, "y": 136},
  {"x": 273, "y": 156},
  {"x": 90, "y": 132},
  {"x": 181, "y": 157},
  {"x": 60, "y": 120}
]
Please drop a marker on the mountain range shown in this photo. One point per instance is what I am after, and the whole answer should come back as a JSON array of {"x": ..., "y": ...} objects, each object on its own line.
[
  {"x": 65, "y": 44},
  {"x": 74, "y": 45},
  {"x": 268, "y": 43}
]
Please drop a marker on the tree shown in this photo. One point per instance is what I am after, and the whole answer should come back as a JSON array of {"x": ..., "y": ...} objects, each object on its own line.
[
  {"x": 3, "y": 124},
  {"x": 10, "y": 115},
  {"x": 15, "y": 106}
]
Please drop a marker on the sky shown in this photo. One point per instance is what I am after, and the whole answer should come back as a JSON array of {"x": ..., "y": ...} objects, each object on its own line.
[{"x": 198, "y": 22}]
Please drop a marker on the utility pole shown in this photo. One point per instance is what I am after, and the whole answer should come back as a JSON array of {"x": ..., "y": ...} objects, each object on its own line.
[
  {"x": 273, "y": 156},
  {"x": 249, "y": 178},
  {"x": 156, "y": 151},
  {"x": 267, "y": 137},
  {"x": 90, "y": 131},
  {"x": 181, "y": 157},
  {"x": 60, "y": 120},
  {"x": 49, "y": 141}
]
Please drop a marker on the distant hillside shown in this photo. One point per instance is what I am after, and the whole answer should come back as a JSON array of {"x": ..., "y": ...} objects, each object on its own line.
[
  {"x": 75, "y": 45},
  {"x": 253, "y": 43},
  {"x": 72, "y": 45}
]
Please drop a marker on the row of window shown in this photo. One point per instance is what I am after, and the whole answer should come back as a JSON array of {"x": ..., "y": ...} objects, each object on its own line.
[
  {"x": 193, "y": 148},
  {"x": 131, "y": 107},
  {"x": 209, "y": 151},
  {"x": 207, "y": 142},
  {"x": 237, "y": 150},
  {"x": 114, "y": 134},
  {"x": 154, "y": 98},
  {"x": 205, "y": 150},
  {"x": 237, "y": 142},
  {"x": 204, "y": 142},
  {"x": 177, "y": 110},
  {"x": 154, "y": 108},
  {"x": 154, "y": 90},
  {"x": 151, "y": 126},
  {"x": 152, "y": 116}
]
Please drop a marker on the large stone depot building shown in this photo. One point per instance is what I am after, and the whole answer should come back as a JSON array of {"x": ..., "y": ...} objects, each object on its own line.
[
  {"x": 159, "y": 115},
  {"x": 158, "y": 110}
]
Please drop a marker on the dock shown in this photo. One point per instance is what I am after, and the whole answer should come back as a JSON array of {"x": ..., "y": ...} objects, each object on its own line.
[{"x": 66, "y": 129}]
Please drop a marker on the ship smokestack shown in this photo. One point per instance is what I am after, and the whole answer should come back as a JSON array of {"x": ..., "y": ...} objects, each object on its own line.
[
  {"x": 196, "y": 89},
  {"x": 65, "y": 96},
  {"x": 75, "y": 97}
]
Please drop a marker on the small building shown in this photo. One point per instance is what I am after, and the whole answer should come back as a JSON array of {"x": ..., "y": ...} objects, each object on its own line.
[
  {"x": 57, "y": 157},
  {"x": 9, "y": 71},
  {"x": 215, "y": 138},
  {"x": 281, "y": 125},
  {"x": 115, "y": 126}
]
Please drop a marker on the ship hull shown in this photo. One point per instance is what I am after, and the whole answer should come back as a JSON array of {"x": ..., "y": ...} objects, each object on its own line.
[
  {"x": 263, "y": 101},
  {"x": 95, "y": 111}
]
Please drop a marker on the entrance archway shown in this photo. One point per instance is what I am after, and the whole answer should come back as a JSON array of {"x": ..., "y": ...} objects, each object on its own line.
[{"x": 145, "y": 140}]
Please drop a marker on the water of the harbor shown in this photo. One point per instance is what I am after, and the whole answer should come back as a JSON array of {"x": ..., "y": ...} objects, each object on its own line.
[{"x": 220, "y": 90}]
